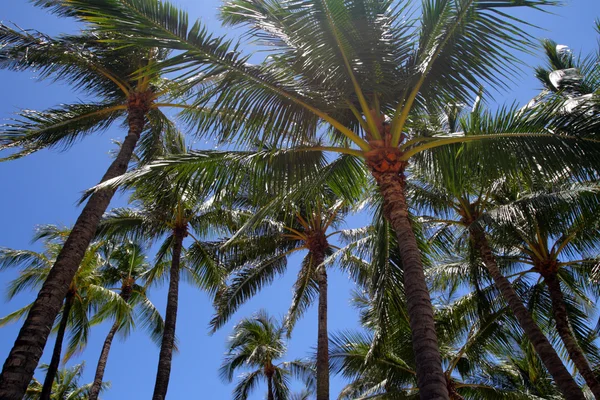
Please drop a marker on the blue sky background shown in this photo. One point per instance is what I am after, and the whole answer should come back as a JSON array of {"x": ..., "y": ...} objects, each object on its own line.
[{"x": 44, "y": 188}]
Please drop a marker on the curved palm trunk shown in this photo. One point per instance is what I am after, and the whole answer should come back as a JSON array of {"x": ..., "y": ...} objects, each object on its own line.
[
  {"x": 55, "y": 361},
  {"x": 97, "y": 385},
  {"x": 544, "y": 349},
  {"x": 23, "y": 358},
  {"x": 430, "y": 376},
  {"x": 168, "y": 339},
  {"x": 564, "y": 330},
  {"x": 101, "y": 366}
]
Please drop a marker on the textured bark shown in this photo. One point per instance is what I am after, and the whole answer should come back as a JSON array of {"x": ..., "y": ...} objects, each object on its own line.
[
  {"x": 317, "y": 245},
  {"x": 542, "y": 346},
  {"x": 323, "y": 340},
  {"x": 168, "y": 340},
  {"x": 564, "y": 330},
  {"x": 23, "y": 358},
  {"x": 97, "y": 385},
  {"x": 101, "y": 366},
  {"x": 56, "y": 353},
  {"x": 322, "y": 336},
  {"x": 430, "y": 376}
]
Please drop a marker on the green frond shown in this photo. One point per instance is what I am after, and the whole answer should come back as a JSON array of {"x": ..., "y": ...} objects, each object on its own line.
[
  {"x": 244, "y": 284},
  {"x": 247, "y": 383},
  {"x": 56, "y": 128},
  {"x": 306, "y": 289}
]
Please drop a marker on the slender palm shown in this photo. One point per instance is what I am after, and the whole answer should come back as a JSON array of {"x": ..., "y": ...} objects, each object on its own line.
[
  {"x": 459, "y": 195},
  {"x": 481, "y": 358},
  {"x": 306, "y": 229},
  {"x": 559, "y": 244},
  {"x": 302, "y": 219},
  {"x": 257, "y": 343},
  {"x": 170, "y": 213},
  {"x": 85, "y": 292},
  {"x": 350, "y": 65},
  {"x": 65, "y": 386},
  {"x": 125, "y": 265},
  {"x": 99, "y": 69}
]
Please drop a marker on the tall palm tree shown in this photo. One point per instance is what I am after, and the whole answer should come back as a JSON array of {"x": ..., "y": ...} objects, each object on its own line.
[
  {"x": 476, "y": 331},
  {"x": 559, "y": 244},
  {"x": 85, "y": 292},
  {"x": 169, "y": 212},
  {"x": 92, "y": 65},
  {"x": 125, "y": 265},
  {"x": 301, "y": 219},
  {"x": 361, "y": 69},
  {"x": 283, "y": 211},
  {"x": 462, "y": 194},
  {"x": 257, "y": 343},
  {"x": 257, "y": 258},
  {"x": 65, "y": 387}
]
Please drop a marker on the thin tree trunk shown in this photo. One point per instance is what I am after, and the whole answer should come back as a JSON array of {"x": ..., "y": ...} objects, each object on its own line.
[
  {"x": 168, "y": 339},
  {"x": 270, "y": 395},
  {"x": 23, "y": 358},
  {"x": 564, "y": 330},
  {"x": 544, "y": 349},
  {"x": 125, "y": 294},
  {"x": 56, "y": 353},
  {"x": 97, "y": 385},
  {"x": 322, "y": 339},
  {"x": 430, "y": 376},
  {"x": 317, "y": 245}
]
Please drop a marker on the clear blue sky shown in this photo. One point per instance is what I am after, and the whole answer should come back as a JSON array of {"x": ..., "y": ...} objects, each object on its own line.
[{"x": 44, "y": 187}]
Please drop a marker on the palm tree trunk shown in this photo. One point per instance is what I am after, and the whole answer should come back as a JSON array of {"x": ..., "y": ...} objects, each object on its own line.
[
  {"x": 97, "y": 385},
  {"x": 322, "y": 339},
  {"x": 168, "y": 339},
  {"x": 270, "y": 395},
  {"x": 544, "y": 349},
  {"x": 125, "y": 294},
  {"x": 23, "y": 358},
  {"x": 55, "y": 361},
  {"x": 564, "y": 330},
  {"x": 317, "y": 245},
  {"x": 430, "y": 376}
]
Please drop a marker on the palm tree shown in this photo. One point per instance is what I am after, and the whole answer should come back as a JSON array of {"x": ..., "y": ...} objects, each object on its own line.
[
  {"x": 461, "y": 196},
  {"x": 538, "y": 239},
  {"x": 479, "y": 346},
  {"x": 299, "y": 220},
  {"x": 103, "y": 70},
  {"x": 125, "y": 265},
  {"x": 169, "y": 212},
  {"x": 65, "y": 386},
  {"x": 85, "y": 292},
  {"x": 278, "y": 220},
  {"x": 361, "y": 69},
  {"x": 257, "y": 343},
  {"x": 256, "y": 258}
]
